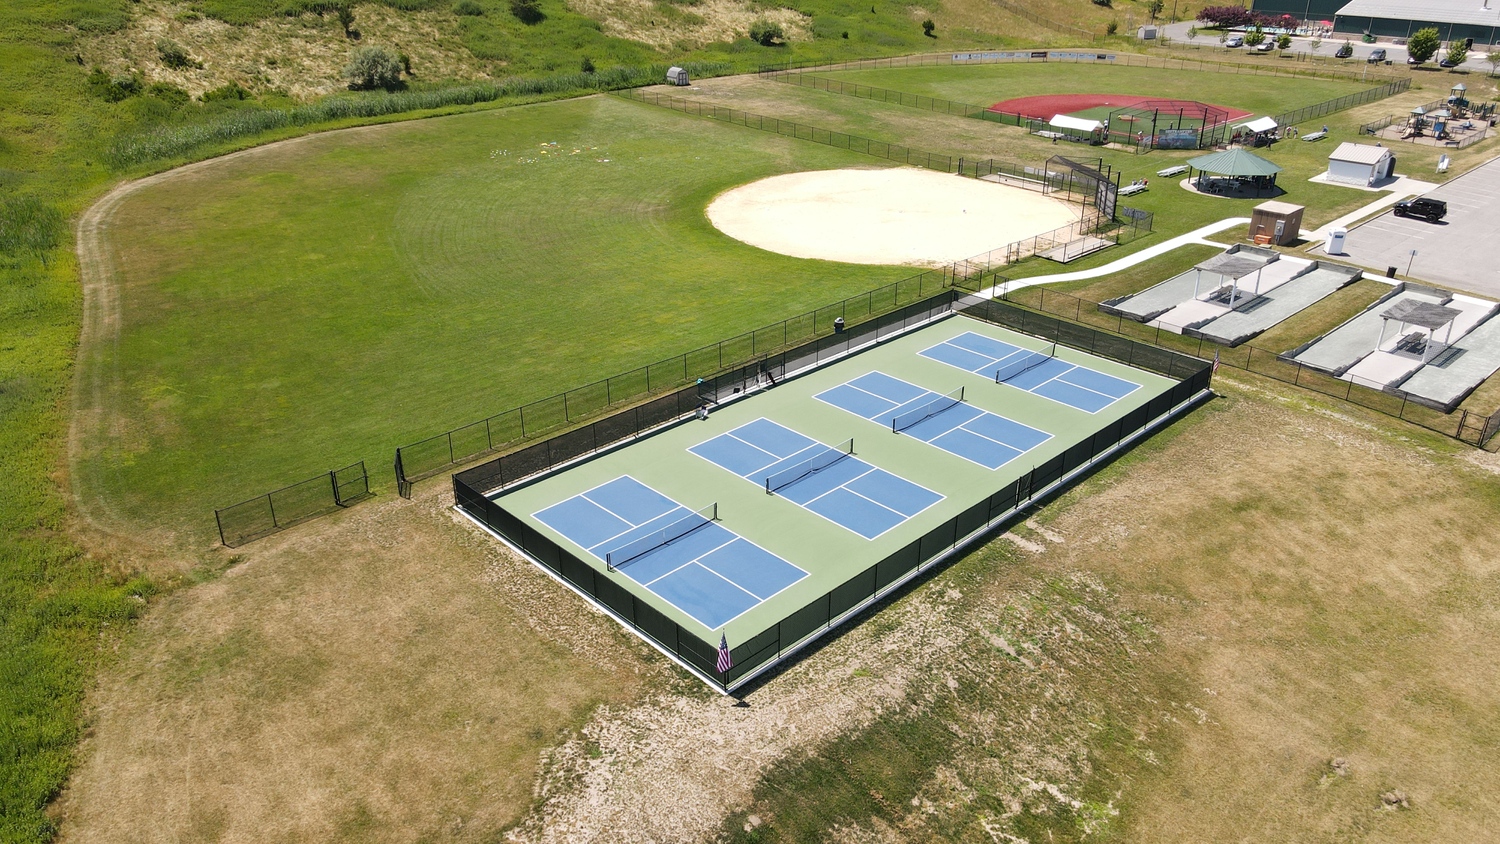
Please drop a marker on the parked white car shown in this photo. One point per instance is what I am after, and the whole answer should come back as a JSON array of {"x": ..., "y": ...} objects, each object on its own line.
[{"x": 1234, "y": 41}]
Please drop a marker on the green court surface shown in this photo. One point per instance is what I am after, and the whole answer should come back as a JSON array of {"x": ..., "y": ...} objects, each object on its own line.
[{"x": 769, "y": 555}]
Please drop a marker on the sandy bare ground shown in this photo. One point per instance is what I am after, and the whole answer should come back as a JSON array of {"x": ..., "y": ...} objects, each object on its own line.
[{"x": 900, "y": 215}]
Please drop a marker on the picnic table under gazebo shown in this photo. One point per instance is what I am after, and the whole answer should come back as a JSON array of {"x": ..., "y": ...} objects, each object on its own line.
[{"x": 1233, "y": 172}]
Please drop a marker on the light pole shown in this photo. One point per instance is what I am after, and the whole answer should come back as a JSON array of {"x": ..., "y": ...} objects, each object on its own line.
[{"x": 1410, "y": 260}]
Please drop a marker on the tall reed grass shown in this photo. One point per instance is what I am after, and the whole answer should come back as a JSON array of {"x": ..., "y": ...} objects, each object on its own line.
[{"x": 167, "y": 142}]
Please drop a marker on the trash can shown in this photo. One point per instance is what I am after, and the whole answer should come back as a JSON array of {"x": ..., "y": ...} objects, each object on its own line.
[
  {"x": 1335, "y": 244},
  {"x": 1390, "y": 272}
]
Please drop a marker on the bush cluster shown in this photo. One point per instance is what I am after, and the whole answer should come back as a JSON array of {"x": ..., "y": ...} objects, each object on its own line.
[{"x": 1239, "y": 16}]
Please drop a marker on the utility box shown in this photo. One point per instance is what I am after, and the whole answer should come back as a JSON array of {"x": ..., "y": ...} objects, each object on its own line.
[
  {"x": 1335, "y": 244},
  {"x": 1278, "y": 223}
]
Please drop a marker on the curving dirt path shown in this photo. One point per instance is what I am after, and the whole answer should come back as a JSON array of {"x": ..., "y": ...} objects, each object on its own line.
[{"x": 96, "y": 422}]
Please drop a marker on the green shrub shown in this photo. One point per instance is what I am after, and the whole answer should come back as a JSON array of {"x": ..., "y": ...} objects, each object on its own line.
[
  {"x": 767, "y": 33},
  {"x": 587, "y": 66},
  {"x": 528, "y": 12},
  {"x": 345, "y": 14},
  {"x": 231, "y": 91},
  {"x": 1112, "y": 27},
  {"x": 173, "y": 55},
  {"x": 467, "y": 8},
  {"x": 169, "y": 94},
  {"x": 373, "y": 67},
  {"x": 927, "y": 27},
  {"x": 120, "y": 86}
]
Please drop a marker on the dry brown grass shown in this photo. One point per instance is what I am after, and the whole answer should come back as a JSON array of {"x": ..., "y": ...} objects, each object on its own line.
[
  {"x": 386, "y": 674},
  {"x": 666, "y": 26},
  {"x": 1330, "y": 586},
  {"x": 304, "y": 56},
  {"x": 1281, "y": 584}
]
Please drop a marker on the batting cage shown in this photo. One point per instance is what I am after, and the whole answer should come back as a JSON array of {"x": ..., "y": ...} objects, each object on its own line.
[{"x": 1169, "y": 124}]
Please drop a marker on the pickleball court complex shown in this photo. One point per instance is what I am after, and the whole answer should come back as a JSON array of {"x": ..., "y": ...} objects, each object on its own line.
[{"x": 792, "y": 506}]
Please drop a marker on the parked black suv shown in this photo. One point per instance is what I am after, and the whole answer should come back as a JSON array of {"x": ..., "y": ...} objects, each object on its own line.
[{"x": 1432, "y": 209}]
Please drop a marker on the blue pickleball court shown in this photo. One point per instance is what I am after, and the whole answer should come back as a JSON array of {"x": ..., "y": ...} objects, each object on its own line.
[
  {"x": 824, "y": 479},
  {"x": 1076, "y": 386},
  {"x": 689, "y": 559},
  {"x": 956, "y": 427}
]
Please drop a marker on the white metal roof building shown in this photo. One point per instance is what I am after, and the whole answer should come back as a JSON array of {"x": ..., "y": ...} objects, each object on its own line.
[
  {"x": 1360, "y": 164},
  {"x": 1454, "y": 19}
]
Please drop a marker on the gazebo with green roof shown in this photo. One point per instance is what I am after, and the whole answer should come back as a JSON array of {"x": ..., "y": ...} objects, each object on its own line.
[{"x": 1234, "y": 172}]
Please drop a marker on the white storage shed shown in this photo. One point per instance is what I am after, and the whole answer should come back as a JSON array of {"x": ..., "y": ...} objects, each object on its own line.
[{"x": 1360, "y": 164}]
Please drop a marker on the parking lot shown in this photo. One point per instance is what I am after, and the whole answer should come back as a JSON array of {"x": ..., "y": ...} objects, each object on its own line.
[{"x": 1462, "y": 251}]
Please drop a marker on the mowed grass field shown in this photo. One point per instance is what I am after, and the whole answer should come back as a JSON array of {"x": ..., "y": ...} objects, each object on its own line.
[
  {"x": 316, "y": 303},
  {"x": 992, "y": 83}
]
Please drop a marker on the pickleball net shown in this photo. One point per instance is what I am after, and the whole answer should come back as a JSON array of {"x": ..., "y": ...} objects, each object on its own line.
[
  {"x": 644, "y": 545},
  {"x": 905, "y": 420},
  {"x": 1030, "y": 361},
  {"x": 817, "y": 463}
]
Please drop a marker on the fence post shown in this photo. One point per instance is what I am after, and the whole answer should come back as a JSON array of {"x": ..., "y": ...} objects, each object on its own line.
[
  {"x": 220, "y": 522},
  {"x": 270, "y": 502},
  {"x": 333, "y": 478}
]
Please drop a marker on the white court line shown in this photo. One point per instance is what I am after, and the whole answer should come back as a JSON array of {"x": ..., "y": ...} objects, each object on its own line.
[
  {"x": 846, "y": 488},
  {"x": 647, "y": 584}
]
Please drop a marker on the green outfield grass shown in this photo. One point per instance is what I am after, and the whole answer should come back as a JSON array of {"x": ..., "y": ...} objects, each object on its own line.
[
  {"x": 988, "y": 84},
  {"x": 327, "y": 301}
]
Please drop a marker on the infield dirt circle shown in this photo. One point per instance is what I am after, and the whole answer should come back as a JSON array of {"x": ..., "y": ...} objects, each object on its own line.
[{"x": 900, "y": 215}]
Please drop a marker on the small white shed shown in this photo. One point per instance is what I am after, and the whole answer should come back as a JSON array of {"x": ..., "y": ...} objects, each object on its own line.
[
  {"x": 676, "y": 76},
  {"x": 1360, "y": 164}
]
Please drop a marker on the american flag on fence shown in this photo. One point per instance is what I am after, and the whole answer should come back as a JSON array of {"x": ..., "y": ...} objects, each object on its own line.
[
  {"x": 725, "y": 661},
  {"x": 1216, "y": 360}
]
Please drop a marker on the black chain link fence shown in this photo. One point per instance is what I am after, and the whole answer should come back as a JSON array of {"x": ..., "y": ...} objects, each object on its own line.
[
  {"x": 266, "y": 514},
  {"x": 635, "y": 389},
  {"x": 759, "y": 653}
]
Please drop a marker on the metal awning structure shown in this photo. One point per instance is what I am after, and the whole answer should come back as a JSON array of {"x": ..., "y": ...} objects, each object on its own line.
[
  {"x": 1233, "y": 266},
  {"x": 1237, "y": 170},
  {"x": 1426, "y": 315},
  {"x": 1234, "y": 162}
]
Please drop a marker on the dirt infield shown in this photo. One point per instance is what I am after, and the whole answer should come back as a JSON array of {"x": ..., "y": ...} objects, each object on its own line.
[
  {"x": 900, "y": 215},
  {"x": 1045, "y": 106}
]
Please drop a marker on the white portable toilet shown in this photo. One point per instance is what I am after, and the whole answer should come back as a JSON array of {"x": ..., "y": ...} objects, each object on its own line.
[{"x": 1335, "y": 244}]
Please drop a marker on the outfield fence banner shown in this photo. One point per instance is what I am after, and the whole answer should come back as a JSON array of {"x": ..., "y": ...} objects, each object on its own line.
[
  {"x": 1476, "y": 429},
  {"x": 266, "y": 514},
  {"x": 759, "y": 653},
  {"x": 711, "y": 372}
]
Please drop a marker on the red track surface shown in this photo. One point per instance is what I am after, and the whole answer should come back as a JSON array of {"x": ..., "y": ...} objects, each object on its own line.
[{"x": 1045, "y": 106}]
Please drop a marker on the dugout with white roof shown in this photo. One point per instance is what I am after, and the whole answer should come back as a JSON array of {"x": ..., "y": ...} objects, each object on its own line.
[
  {"x": 1360, "y": 164},
  {"x": 1260, "y": 127},
  {"x": 1077, "y": 128}
]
